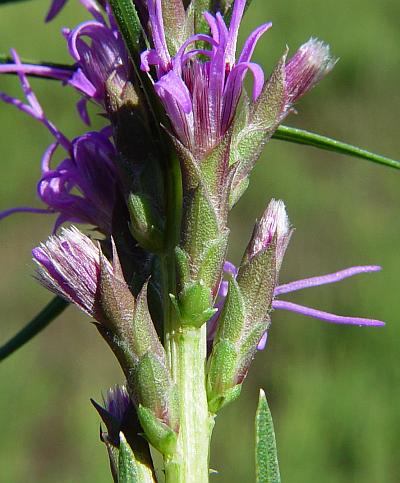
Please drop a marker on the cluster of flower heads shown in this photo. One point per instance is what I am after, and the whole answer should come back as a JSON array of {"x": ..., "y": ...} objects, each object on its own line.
[
  {"x": 201, "y": 96},
  {"x": 83, "y": 187},
  {"x": 200, "y": 89}
]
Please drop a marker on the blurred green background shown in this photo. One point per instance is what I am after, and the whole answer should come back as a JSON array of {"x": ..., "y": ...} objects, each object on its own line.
[{"x": 334, "y": 391}]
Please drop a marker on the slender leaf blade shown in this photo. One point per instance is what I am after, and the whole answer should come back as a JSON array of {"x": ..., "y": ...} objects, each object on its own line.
[
  {"x": 52, "y": 310},
  {"x": 3, "y": 2},
  {"x": 267, "y": 467},
  {"x": 129, "y": 24},
  {"x": 300, "y": 136}
]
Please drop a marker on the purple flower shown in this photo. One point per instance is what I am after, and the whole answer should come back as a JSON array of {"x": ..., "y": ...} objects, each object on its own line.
[
  {"x": 83, "y": 187},
  {"x": 300, "y": 309},
  {"x": 201, "y": 97},
  {"x": 274, "y": 227},
  {"x": 101, "y": 59},
  {"x": 69, "y": 266}
]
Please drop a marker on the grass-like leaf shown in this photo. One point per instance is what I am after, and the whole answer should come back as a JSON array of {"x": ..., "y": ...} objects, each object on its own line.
[
  {"x": 52, "y": 310},
  {"x": 299, "y": 136},
  {"x": 283, "y": 133},
  {"x": 2, "y": 2},
  {"x": 129, "y": 24},
  {"x": 267, "y": 468}
]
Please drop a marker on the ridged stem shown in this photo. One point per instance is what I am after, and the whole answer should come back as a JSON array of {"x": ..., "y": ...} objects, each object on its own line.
[{"x": 187, "y": 350}]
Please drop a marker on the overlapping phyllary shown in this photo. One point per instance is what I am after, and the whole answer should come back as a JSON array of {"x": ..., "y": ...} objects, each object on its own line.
[{"x": 157, "y": 184}]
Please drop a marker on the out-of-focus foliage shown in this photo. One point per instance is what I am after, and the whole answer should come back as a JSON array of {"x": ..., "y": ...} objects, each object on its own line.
[{"x": 333, "y": 390}]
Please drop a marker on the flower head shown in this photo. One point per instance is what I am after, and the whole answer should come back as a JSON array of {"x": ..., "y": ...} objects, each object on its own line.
[
  {"x": 69, "y": 265},
  {"x": 83, "y": 187},
  {"x": 300, "y": 309},
  {"x": 101, "y": 59},
  {"x": 201, "y": 96},
  {"x": 274, "y": 231},
  {"x": 200, "y": 87}
]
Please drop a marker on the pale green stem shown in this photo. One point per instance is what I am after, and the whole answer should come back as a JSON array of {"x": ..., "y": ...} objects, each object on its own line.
[{"x": 187, "y": 350}]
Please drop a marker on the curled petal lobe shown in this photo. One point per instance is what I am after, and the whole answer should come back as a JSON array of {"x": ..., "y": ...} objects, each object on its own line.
[
  {"x": 55, "y": 8},
  {"x": 178, "y": 91},
  {"x": 251, "y": 42},
  {"x": 157, "y": 30}
]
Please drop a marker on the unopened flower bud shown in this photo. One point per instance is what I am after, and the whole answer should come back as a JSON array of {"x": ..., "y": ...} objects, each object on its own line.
[
  {"x": 123, "y": 432},
  {"x": 117, "y": 402},
  {"x": 307, "y": 67},
  {"x": 245, "y": 317},
  {"x": 69, "y": 266},
  {"x": 274, "y": 227}
]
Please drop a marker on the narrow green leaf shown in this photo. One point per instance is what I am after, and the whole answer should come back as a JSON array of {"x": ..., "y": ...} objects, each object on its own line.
[
  {"x": 299, "y": 136},
  {"x": 2, "y": 2},
  {"x": 197, "y": 7},
  {"x": 129, "y": 23},
  {"x": 227, "y": 8},
  {"x": 54, "y": 308},
  {"x": 127, "y": 467},
  {"x": 267, "y": 468}
]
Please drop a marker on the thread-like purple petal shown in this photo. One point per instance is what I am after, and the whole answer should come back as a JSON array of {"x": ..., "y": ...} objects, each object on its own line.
[
  {"x": 326, "y": 316},
  {"x": 157, "y": 30},
  {"x": 81, "y": 107},
  {"x": 24, "y": 209},
  {"x": 233, "y": 89},
  {"x": 251, "y": 42},
  {"x": 324, "y": 279},
  {"x": 55, "y": 8},
  {"x": 39, "y": 70},
  {"x": 237, "y": 14},
  {"x": 263, "y": 341}
]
